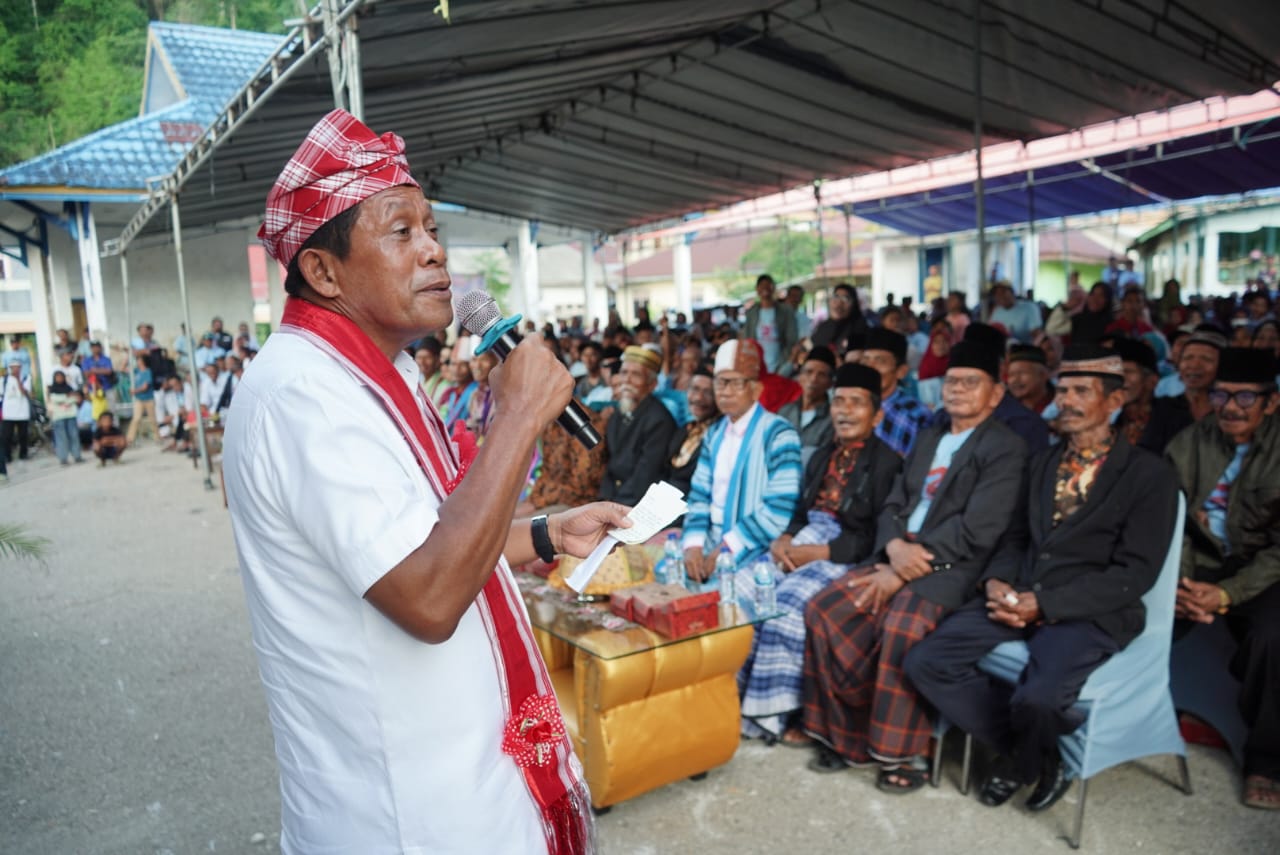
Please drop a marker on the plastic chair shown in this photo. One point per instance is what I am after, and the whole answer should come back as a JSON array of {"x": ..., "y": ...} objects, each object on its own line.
[{"x": 1128, "y": 706}]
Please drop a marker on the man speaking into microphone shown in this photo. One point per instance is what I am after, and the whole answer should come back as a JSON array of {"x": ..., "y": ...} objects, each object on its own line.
[{"x": 411, "y": 709}]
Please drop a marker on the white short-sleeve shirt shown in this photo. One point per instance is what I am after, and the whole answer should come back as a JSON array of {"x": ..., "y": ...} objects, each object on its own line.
[{"x": 385, "y": 744}]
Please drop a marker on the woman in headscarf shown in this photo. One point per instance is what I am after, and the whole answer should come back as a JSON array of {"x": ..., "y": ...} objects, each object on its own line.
[{"x": 1097, "y": 314}]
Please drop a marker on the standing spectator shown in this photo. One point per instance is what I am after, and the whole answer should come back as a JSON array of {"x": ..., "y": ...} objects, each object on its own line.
[
  {"x": 144, "y": 398},
  {"x": 771, "y": 323},
  {"x": 221, "y": 338},
  {"x": 17, "y": 355},
  {"x": 61, "y": 401},
  {"x": 795, "y": 299},
  {"x": 1021, "y": 318},
  {"x": 67, "y": 365},
  {"x": 15, "y": 405},
  {"x": 97, "y": 367},
  {"x": 64, "y": 344},
  {"x": 82, "y": 346},
  {"x": 108, "y": 440}
]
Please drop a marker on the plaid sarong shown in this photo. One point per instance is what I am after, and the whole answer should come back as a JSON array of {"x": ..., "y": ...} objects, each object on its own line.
[
  {"x": 856, "y": 699},
  {"x": 770, "y": 680}
]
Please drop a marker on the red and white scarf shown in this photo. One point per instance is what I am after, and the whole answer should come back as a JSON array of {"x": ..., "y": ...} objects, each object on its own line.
[{"x": 534, "y": 736}]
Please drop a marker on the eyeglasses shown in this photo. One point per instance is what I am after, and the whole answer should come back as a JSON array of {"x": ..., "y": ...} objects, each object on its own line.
[
  {"x": 1244, "y": 398},
  {"x": 734, "y": 383},
  {"x": 969, "y": 382}
]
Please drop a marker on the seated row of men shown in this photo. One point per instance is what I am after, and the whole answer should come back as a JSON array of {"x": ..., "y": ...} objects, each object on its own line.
[{"x": 897, "y": 576}]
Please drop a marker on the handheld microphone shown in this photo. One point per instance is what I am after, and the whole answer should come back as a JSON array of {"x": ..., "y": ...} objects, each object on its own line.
[{"x": 480, "y": 316}]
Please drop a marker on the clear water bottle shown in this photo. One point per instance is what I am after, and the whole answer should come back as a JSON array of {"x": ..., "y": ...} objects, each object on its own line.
[
  {"x": 724, "y": 575},
  {"x": 671, "y": 569},
  {"x": 766, "y": 588}
]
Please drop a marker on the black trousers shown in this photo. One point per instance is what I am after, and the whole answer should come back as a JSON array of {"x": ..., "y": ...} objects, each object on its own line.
[
  {"x": 1256, "y": 627},
  {"x": 18, "y": 430},
  {"x": 1021, "y": 721}
]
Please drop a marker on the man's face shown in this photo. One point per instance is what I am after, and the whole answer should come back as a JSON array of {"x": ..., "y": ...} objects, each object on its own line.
[
  {"x": 635, "y": 384},
  {"x": 211, "y": 370},
  {"x": 428, "y": 362},
  {"x": 795, "y": 296},
  {"x": 394, "y": 283},
  {"x": 689, "y": 359},
  {"x": 853, "y": 413},
  {"x": 892, "y": 321},
  {"x": 1003, "y": 297},
  {"x": 1139, "y": 384},
  {"x": 764, "y": 290},
  {"x": 890, "y": 371},
  {"x": 1238, "y": 421},
  {"x": 1267, "y": 338},
  {"x": 216, "y": 325},
  {"x": 1083, "y": 406},
  {"x": 63, "y": 338},
  {"x": 95, "y": 350},
  {"x": 1026, "y": 379},
  {"x": 1257, "y": 306},
  {"x": 969, "y": 393},
  {"x": 590, "y": 359},
  {"x": 65, "y": 358},
  {"x": 1198, "y": 366},
  {"x": 840, "y": 306},
  {"x": 1097, "y": 299},
  {"x": 702, "y": 398},
  {"x": 735, "y": 393},
  {"x": 106, "y": 420},
  {"x": 15, "y": 370},
  {"x": 814, "y": 379}
]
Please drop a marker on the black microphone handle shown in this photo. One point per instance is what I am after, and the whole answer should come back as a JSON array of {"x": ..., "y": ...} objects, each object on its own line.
[{"x": 574, "y": 419}]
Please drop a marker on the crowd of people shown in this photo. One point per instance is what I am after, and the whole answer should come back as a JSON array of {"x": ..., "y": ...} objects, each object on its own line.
[
  {"x": 928, "y": 484},
  {"x": 92, "y": 404}
]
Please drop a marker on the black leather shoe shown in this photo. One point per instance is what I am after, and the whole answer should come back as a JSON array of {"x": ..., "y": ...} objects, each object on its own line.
[
  {"x": 1052, "y": 786},
  {"x": 997, "y": 790}
]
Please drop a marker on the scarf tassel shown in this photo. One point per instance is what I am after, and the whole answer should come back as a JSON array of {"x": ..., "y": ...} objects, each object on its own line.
[{"x": 569, "y": 825}]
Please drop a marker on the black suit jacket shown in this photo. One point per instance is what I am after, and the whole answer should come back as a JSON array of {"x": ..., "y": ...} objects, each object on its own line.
[
  {"x": 637, "y": 449},
  {"x": 1096, "y": 564},
  {"x": 864, "y": 494},
  {"x": 971, "y": 509}
]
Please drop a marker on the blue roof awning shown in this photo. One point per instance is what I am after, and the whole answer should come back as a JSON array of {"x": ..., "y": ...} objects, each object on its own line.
[{"x": 1232, "y": 160}]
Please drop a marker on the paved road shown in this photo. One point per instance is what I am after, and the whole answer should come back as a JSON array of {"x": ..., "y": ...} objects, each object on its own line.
[{"x": 132, "y": 719}]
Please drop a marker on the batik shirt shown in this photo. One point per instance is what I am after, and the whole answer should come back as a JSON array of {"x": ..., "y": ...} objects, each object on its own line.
[
  {"x": 1077, "y": 473},
  {"x": 839, "y": 468}
]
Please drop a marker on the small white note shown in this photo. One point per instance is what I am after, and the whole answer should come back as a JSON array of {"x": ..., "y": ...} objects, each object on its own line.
[{"x": 661, "y": 505}]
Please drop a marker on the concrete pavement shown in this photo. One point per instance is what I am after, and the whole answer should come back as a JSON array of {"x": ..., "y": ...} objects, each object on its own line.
[{"x": 132, "y": 719}]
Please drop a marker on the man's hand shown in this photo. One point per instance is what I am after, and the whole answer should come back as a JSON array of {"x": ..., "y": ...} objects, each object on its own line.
[
  {"x": 577, "y": 531},
  {"x": 909, "y": 560},
  {"x": 697, "y": 565},
  {"x": 877, "y": 587},
  {"x": 532, "y": 381},
  {"x": 1197, "y": 601},
  {"x": 778, "y": 552},
  {"x": 1017, "y": 610}
]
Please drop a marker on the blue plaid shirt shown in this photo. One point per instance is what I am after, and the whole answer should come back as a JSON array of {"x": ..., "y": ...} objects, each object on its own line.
[{"x": 904, "y": 417}]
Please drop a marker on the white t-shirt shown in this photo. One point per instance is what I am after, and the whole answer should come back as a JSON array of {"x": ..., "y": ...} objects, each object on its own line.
[
  {"x": 75, "y": 377},
  {"x": 17, "y": 407},
  {"x": 385, "y": 744},
  {"x": 767, "y": 335}
]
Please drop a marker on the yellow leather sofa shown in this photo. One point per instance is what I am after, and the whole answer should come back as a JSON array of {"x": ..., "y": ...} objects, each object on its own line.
[{"x": 644, "y": 720}]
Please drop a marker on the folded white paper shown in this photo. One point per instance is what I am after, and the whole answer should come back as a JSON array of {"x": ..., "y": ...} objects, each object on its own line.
[{"x": 661, "y": 505}]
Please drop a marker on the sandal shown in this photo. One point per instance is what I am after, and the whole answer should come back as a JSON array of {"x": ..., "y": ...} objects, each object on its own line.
[
  {"x": 827, "y": 761},
  {"x": 1262, "y": 792},
  {"x": 901, "y": 779},
  {"x": 794, "y": 737}
]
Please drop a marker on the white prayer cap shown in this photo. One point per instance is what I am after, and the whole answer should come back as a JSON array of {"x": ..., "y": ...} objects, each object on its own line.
[{"x": 741, "y": 355}]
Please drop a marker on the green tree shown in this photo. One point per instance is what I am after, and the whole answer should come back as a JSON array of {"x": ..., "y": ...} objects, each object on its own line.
[
  {"x": 785, "y": 254},
  {"x": 495, "y": 269}
]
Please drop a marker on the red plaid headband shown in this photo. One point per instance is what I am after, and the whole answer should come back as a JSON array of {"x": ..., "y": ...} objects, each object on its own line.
[{"x": 339, "y": 165}]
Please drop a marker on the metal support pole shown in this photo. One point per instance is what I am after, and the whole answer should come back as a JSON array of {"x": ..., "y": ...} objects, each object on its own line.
[
  {"x": 186, "y": 315},
  {"x": 128, "y": 319},
  {"x": 822, "y": 245},
  {"x": 343, "y": 54},
  {"x": 848, "y": 241},
  {"x": 1066, "y": 256},
  {"x": 1032, "y": 246},
  {"x": 979, "y": 201}
]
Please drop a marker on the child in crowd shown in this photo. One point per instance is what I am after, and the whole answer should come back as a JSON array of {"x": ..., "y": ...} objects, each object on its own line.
[
  {"x": 85, "y": 421},
  {"x": 109, "y": 441}
]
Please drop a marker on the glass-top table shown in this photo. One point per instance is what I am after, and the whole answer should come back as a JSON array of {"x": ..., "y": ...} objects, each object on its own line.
[{"x": 593, "y": 628}]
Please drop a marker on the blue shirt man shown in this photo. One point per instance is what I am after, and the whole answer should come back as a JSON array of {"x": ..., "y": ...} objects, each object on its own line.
[
  {"x": 904, "y": 416},
  {"x": 19, "y": 354}
]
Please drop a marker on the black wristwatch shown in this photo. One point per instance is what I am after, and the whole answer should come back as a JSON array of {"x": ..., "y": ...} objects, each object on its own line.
[{"x": 542, "y": 538}]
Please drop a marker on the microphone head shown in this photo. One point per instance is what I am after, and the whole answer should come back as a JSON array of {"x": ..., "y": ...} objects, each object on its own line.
[{"x": 477, "y": 311}]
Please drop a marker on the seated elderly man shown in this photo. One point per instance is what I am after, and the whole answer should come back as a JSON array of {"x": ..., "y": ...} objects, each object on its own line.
[
  {"x": 846, "y": 484},
  {"x": 747, "y": 480},
  {"x": 904, "y": 416},
  {"x": 1088, "y": 539},
  {"x": 1197, "y": 367},
  {"x": 1229, "y": 467},
  {"x": 811, "y": 414},
  {"x": 1028, "y": 377},
  {"x": 639, "y": 434},
  {"x": 936, "y": 532},
  {"x": 1140, "y": 377},
  {"x": 682, "y": 457}
]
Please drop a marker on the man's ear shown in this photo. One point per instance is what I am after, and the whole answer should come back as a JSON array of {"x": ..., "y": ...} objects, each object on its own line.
[{"x": 317, "y": 267}]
